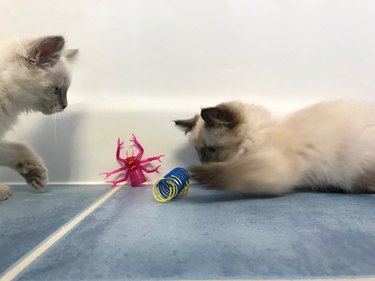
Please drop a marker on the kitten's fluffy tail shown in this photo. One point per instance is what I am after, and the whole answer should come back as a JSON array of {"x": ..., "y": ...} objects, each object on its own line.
[{"x": 267, "y": 172}]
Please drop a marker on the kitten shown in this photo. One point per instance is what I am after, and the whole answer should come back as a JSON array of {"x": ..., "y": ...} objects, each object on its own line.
[
  {"x": 34, "y": 76},
  {"x": 244, "y": 148}
]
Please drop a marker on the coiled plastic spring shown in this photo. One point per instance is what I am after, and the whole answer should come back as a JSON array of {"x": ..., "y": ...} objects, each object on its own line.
[{"x": 173, "y": 185}]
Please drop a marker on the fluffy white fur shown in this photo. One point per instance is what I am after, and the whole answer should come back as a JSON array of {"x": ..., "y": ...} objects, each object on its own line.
[
  {"x": 327, "y": 145},
  {"x": 34, "y": 76}
]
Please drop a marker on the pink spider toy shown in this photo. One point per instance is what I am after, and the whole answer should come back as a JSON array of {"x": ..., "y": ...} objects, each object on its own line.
[{"x": 133, "y": 165}]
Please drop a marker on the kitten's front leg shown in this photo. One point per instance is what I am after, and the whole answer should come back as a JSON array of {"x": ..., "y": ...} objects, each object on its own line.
[
  {"x": 212, "y": 175},
  {"x": 260, "y": 174},
  {"x": 22, "y": 159},
  {"x": 4, "y": 192}
]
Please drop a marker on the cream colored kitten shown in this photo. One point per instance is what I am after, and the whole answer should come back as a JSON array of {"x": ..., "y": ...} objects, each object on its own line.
[
  {"x": 34, "y": 76},
  {"x": 243, "y": 148}
]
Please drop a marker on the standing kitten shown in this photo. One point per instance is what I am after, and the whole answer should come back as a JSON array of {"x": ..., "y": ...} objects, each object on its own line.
[
  {"x": 243, "y": 148},
  {"x": 34, "y": 76}
]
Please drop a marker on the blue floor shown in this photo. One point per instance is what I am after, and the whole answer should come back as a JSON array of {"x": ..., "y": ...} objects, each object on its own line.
[
  {"x": 30, "y": 216},
  {"x": 205, "y": 235}
]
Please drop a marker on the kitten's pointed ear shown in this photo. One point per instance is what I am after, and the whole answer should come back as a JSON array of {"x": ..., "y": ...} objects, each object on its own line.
[
  {"x": 45, "y": 52},
  {"x": 188, "y": 124},
  {"x": 217, "y": 116},
  {"x": 70, "y": 54}
]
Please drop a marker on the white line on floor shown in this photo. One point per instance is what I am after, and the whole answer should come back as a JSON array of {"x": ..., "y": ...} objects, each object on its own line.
[{"x": 50, "y": 241}]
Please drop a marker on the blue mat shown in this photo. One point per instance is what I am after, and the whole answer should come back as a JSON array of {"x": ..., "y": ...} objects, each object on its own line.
[
  {"x": 30, "y": 216},
  {"x": 216, "y": 235}
]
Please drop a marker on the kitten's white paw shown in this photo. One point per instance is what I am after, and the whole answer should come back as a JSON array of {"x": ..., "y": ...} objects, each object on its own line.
[
  {"x": 34, "y": 173},
  {"x": 4, "y": 192},
  {"x": 212, "y": 175}
]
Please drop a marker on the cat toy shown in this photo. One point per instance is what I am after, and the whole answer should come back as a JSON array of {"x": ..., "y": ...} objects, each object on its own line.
[
  {"x": 173, "y": 185},
  {"x": 133, "y": 165}
]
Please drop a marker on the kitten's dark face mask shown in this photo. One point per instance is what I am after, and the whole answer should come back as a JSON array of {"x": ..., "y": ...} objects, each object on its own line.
[
  {"x": 61, "y": 94},
  {"x": 208, "y": 154},
  {"x": 221, "y": 153},
  {"x": 213, "y": 133}
]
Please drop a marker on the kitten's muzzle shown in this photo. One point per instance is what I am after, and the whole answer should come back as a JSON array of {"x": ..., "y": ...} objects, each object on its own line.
[{"x": 63, "y": 100}]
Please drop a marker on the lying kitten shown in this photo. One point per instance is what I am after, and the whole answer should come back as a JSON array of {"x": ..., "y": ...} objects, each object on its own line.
[
  {"x": 34, "y": 76},
  {"x": 243, "y": 148}
]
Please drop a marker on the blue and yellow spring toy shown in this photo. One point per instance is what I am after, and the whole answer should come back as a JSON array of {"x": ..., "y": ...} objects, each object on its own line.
[{"x": 173, "y": 185}]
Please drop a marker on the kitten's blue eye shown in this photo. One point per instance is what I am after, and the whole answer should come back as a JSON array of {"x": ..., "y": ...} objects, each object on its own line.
[{"x": 57, "y": 90}]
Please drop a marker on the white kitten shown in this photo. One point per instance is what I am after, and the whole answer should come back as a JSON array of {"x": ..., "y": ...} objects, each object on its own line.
[
  {"x": 34, "y": 76},
  {"x": 242, "y": 147}
]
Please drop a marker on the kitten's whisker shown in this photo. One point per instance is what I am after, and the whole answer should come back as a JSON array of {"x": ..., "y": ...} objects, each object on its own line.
[
  {"x": 55, "y": 127},
  {"x": 61, "y": 119},
  {"x": 67, "y": 116},
  {"x": 49, "y": 123}
]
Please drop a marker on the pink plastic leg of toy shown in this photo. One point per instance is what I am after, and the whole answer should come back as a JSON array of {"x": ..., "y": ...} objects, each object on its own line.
[
  {"x": 138, "y": 145},
  {"x": 150, "y": 171},
  {"x": 147, "y": 160},
  {"x": 107, "y": 174},
  {"x": 114, "y": 183},
  {"x": 119, "y": 146}
]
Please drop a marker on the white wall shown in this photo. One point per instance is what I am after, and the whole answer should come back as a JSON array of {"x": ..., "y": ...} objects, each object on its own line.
[{"x": 144, "y": 63}]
